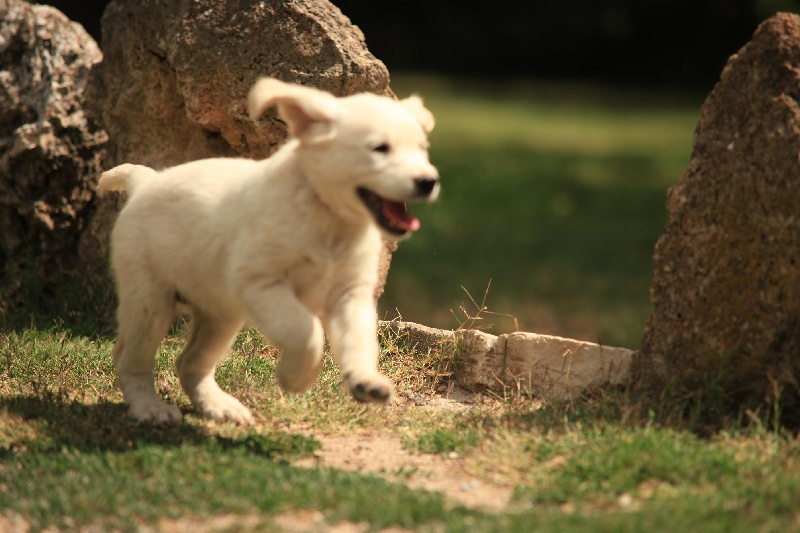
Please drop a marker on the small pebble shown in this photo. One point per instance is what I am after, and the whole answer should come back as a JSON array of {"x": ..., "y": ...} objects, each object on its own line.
[{"x": 469, "y": 485}]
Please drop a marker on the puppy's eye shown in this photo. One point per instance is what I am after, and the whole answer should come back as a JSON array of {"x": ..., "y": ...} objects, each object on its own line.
[{"x": 382, "y": 148}]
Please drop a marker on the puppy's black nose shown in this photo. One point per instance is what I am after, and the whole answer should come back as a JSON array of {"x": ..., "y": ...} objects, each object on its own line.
[{"x": 425, "y": 185}]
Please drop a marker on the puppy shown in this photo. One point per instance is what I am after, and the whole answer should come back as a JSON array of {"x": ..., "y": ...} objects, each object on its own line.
[{"x": 289, "y": 244}]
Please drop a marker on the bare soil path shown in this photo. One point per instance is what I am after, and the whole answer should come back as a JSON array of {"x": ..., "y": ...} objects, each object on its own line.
[{"x": 382, "y": 453}]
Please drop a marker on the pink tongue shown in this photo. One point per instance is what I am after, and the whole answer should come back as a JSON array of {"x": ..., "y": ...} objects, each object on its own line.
[{"x": 397, "y": 213}]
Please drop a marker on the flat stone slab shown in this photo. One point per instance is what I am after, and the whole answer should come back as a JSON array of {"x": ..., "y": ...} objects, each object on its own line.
[{"x": 543, "y": 365}]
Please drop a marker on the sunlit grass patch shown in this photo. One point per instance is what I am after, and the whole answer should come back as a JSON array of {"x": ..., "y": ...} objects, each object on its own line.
[
  {"x": 444, "y": 441},
  {"x": 661, "y": 471}
]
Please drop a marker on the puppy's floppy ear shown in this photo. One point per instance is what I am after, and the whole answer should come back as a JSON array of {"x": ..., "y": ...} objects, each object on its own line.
[
  {"x": 310, "y": 113},
  {"x": 414, "y": 105}
]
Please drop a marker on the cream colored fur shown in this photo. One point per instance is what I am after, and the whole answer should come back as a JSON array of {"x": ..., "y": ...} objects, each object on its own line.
[{"x": 284, "y": 244}]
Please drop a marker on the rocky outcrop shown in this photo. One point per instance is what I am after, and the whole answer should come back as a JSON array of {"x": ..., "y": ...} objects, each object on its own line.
[
  {"x": 173, "y": 85},
  {"x": 726, "y": 286},
  {"x": 50, "y": 151},
  {"x": 546, "y": 366}
]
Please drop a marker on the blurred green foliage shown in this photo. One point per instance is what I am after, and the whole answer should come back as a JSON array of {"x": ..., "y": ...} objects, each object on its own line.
[{"x": 553, "y": 193}]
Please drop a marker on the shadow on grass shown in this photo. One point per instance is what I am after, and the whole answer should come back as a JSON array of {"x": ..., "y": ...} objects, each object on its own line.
[
  {"x": 83, "y": 306},
  {"x": 63, "y": 423},
  {"x": 105, "y": 426}
]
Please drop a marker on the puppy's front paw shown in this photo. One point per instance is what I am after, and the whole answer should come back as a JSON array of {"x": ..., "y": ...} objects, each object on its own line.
[{"x": 370, "y": 389}]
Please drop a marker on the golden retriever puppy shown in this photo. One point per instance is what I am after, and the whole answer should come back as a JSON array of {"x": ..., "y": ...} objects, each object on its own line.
[{"x": 289, "y": 244}]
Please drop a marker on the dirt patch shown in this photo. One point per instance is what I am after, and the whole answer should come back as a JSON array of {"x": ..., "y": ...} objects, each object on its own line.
[
  {"x": 382, "y": 453},
  {"x": 314, "y": 521},
  {"x": 304, "y": 521}
]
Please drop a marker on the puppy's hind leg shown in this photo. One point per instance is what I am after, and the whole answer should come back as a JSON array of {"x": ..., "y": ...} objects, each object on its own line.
[
  {"x": 209, "y": 339},
  {"x": 144, "y": 317}
]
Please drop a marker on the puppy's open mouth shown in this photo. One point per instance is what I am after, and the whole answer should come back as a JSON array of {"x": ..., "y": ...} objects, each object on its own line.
[{"x": 390, "y": 215}]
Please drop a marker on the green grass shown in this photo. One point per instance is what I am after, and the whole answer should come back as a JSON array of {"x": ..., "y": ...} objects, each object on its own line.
[
  {"x": 555, "y": 194},
  {"x": 663, "y": 475},
  {"x": 70, "y": 458},
  {"x": 444, "y": 441},
  {"x": 203, "y": 479}
]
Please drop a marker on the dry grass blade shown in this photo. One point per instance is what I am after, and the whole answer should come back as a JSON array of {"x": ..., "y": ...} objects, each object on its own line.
[{"x": 480, "y": 309}]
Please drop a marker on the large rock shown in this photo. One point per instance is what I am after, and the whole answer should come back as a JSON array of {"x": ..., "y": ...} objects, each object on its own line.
[
  {"x": 173, "y": 85},
  {"x": 726, "y": 286},
  {"x": 50, "y": 151}
]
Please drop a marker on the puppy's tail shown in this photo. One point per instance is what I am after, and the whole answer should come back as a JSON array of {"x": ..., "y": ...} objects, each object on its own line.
[{"x": 126, "y": 177}]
